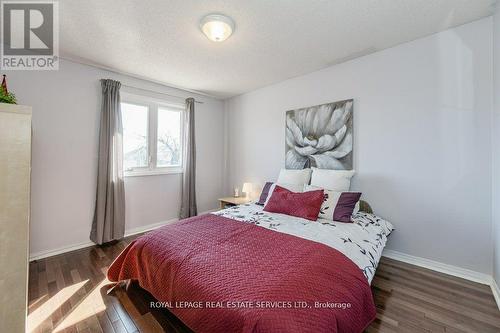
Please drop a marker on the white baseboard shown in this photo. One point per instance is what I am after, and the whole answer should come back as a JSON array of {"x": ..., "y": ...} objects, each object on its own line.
[
  {"x": 128, "y": 232},
  {"x": 209, "y": 211},
  {"x": 496, "y": 292},
  {"x": 59, "y": 250},
  {"x": 439, "y": 267},
  {"x": 64, "y": 249},
  {"x": 149, "y": 227},
  {"x": 460, "y": 272}
]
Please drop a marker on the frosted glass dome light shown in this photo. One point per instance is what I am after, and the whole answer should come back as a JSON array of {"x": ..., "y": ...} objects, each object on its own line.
[{"x": 217, "y": 27}]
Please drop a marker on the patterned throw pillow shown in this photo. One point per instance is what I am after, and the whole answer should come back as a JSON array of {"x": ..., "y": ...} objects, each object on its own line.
[
  {"x": 337, "y": 206},
  {"x": 264, "y": 193},
  {"x": 302, "y": 204}
]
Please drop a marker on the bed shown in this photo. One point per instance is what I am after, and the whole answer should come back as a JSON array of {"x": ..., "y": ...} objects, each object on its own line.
[{"x": 243, "y": 269}]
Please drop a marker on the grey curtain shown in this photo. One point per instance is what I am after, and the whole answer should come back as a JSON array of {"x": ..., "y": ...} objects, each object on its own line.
[
  {"x": 109, "y": 216},
  {"x": 188, "y": 201}
]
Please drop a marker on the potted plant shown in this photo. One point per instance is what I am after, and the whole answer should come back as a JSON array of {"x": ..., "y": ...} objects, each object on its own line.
[{"x": 5, "y": 95}]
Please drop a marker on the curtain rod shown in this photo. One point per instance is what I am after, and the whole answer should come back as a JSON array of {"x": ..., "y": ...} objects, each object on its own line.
[{"x": 157, "y": 92}]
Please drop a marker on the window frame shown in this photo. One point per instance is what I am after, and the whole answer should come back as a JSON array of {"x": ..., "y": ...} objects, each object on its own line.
[{"x": 153, "y": 105}]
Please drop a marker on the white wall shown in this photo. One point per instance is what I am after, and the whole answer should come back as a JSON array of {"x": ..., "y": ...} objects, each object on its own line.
[
  {"x": 66, "y": 107},
  {"x": 422, "y": 149},
  {"x": 496, "y": 145}
]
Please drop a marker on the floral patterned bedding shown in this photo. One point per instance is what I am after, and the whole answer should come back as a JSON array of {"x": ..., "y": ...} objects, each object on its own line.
[{"x": 361, "y": 241}]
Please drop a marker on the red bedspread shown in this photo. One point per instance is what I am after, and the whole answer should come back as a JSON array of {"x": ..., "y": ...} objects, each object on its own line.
[{"x": 221, "y": 275}]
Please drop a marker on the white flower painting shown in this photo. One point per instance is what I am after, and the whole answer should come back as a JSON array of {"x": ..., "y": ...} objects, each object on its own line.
[{"x": 320, "y": 136}]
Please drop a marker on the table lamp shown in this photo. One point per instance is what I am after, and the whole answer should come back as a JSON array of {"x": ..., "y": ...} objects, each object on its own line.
[{"x": 247, "y": 189}]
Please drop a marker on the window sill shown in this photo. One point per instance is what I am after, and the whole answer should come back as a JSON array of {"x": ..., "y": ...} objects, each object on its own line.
[{"x": 158, "y": 172}]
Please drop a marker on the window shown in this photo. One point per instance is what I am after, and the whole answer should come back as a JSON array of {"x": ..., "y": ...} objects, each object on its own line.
[
  {"x": 135, "y": 136},
  {"x": 168, "y": 147},
  {"x": 152, "y": 136}
]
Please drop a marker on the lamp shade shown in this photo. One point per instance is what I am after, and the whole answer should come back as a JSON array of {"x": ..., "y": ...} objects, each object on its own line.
[{"x": 247, "y": 188}]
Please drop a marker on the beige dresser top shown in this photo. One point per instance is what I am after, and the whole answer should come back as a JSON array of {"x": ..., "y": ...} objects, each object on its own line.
[{"x": 14, "y": 108}]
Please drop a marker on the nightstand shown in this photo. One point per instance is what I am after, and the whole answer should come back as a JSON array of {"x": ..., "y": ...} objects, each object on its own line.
[{"x": 232, "y": 201}]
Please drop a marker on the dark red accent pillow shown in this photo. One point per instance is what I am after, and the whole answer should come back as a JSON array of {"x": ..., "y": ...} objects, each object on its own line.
[{"x": 305, "y": 204}]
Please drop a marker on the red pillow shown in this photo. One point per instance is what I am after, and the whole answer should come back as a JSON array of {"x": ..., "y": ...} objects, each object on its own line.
[{"x": 305, "y": 205}]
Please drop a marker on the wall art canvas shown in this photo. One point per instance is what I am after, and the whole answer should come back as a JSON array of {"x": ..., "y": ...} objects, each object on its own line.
[{"x": 320, "y": 136}]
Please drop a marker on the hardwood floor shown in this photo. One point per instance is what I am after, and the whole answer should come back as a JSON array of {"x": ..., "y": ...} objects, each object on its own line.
[{"x": 68, "y": 293}]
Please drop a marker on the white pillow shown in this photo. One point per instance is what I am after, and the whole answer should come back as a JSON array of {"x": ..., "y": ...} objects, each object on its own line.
[
  {"x": 334, "y": 180},
  {"x": 298, "y": 177},
  {"x": 290, "y": 187}
]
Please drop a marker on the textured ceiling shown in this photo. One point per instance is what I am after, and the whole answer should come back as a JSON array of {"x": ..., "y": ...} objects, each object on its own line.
[{"x": 274, "y": 40}]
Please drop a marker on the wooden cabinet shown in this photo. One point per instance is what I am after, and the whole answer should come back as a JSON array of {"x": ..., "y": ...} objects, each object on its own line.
[{"x": 15, "y": 167}]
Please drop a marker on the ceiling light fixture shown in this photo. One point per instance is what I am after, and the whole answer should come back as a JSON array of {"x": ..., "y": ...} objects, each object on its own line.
[{"x": 217, "y": 27}]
